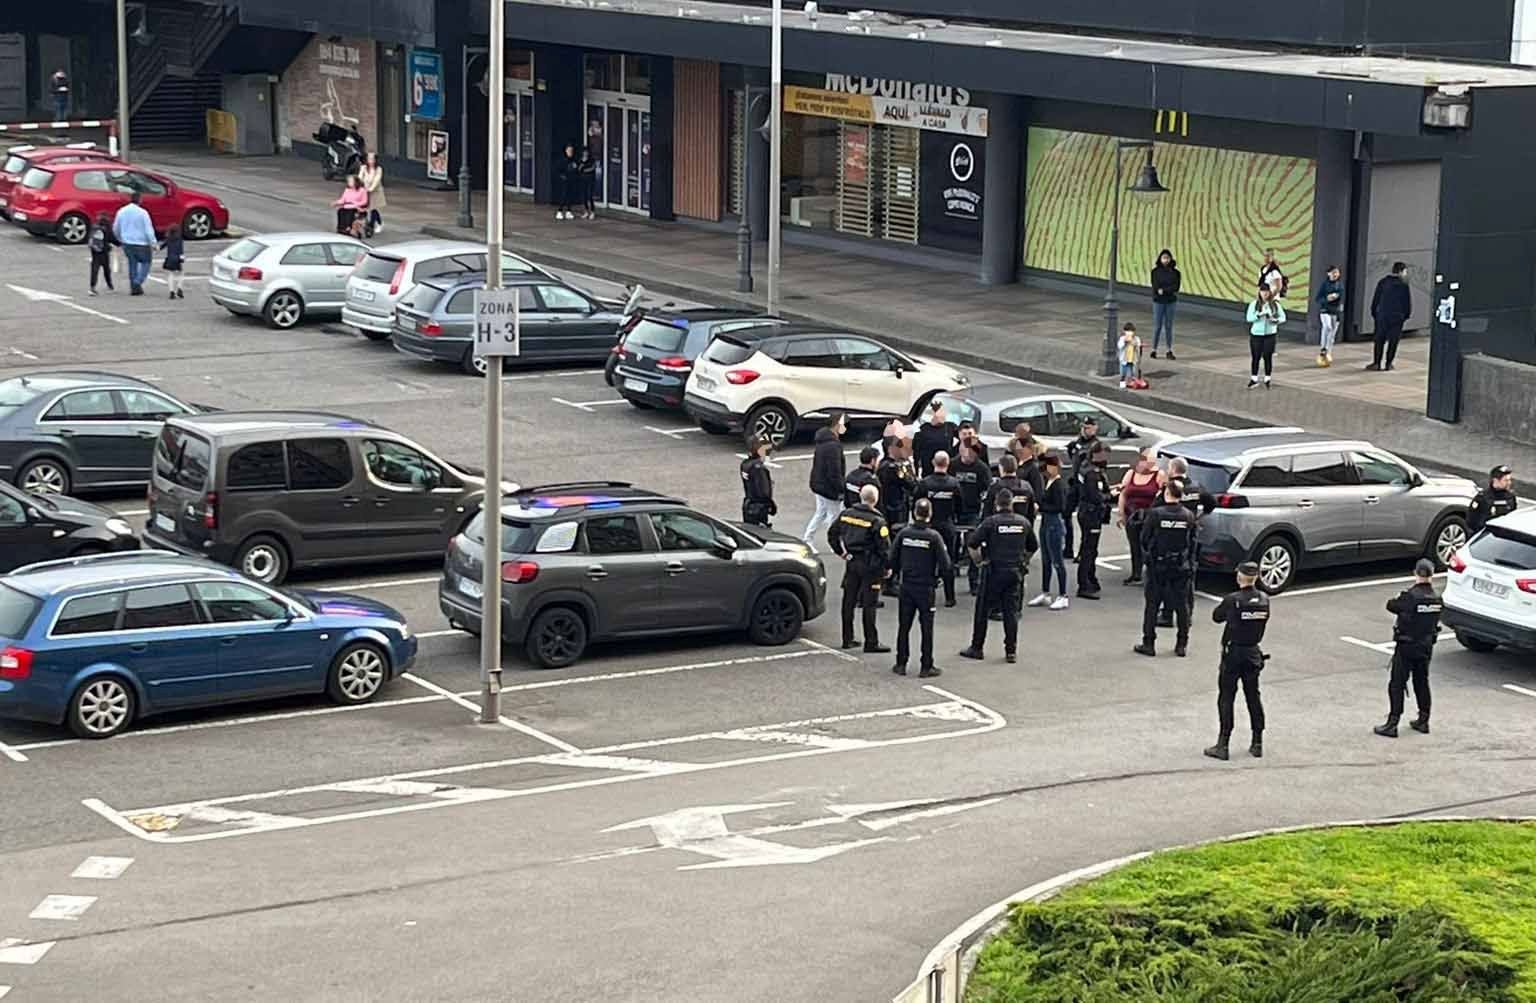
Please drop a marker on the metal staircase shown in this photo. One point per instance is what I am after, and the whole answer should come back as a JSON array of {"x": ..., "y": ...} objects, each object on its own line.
[{"x": 168, "y": 97}]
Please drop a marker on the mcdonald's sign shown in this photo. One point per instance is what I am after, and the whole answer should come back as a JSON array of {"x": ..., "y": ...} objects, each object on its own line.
[{"x": 1176, "y": 122}]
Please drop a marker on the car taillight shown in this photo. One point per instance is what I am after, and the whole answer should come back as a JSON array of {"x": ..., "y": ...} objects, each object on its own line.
[
  {"x": 519, "y": 572},
  {"x": 15, "y": 663},
  {"x": 1456, "y": 564},
  {"x": 397, "y": 278},
  {"x": 211, "y": 510},
  {"x": 1231, "y": 501},
  {"x": 741, "y": 377},
  {"x": 429, "y": 328},
  {"x": 676, "y": 363},
  {"x": 249, "y": 274},
  {"x": 1527, "y": 585}
]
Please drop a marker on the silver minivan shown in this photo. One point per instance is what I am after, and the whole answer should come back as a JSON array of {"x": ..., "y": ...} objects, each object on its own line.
[{"x": 386, "y": 275}]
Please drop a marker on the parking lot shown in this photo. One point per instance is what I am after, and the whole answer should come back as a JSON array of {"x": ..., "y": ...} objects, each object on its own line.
[{"x": 436, "y": 858}]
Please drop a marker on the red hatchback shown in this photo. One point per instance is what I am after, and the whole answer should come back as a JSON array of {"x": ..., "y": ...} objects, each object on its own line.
[
  {"x": 62, "y": 199},
  {"x": 19, "y": 158}
]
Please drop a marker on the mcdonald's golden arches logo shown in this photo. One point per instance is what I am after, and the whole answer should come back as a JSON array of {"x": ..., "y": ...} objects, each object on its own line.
[{"x": 1177, "y": 123}]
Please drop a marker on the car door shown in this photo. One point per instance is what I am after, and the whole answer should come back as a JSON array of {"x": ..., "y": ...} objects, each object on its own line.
[
  {"x": 407, "y": 502},
  {"x": 145, "y": 412},
  {"x": 1067, "y": 417},
  {"x": 308, "y": 268},
  {"x": 813, "y": 375},
  {"x": 574, "y": 326},
  {"x": 623, "y": 573},
  {"x": 23, "y": 538},
  {"x": 1391, "y": 526},
  {"x": 158, "y": 197},
  {"x": 344, "y": 257},
  {"x": 1329, "y": 505},
  {"x": 1034, "y": 413},
  {"x": 705, "y": 586},
  {"x": 165, "y": 643},
  {"x": 264, "y": 647},
  {"x": 103, "y": 446},
  {"x": 326, "y": 501},
  {"x": 874, "y": 385},
  {"x": 97, "y": 193}
]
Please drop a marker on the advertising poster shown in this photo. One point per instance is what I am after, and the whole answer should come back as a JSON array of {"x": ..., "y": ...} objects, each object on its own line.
[
  {"x": 427, "y": 84},
  {"x": 953, "y": 172},
  {"x": 437, "y": 155},
  {"x": 855, "y": 155}
]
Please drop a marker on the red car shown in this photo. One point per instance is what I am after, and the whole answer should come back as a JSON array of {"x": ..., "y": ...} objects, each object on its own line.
[
  {"x": 19, "y": 158},
  {"x": 62, "y": 199}
]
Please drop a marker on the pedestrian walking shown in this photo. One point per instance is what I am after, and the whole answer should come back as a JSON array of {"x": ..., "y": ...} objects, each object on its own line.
[
  {"x": 1129, "y": 350},
  {"x": 586, "y": 172},
  {"x": 175, "y": 256},
  {"x": 937, "y": 435},
  {"x": 58, "y": 86},
  {"x": 1093, "y": 507},
  {"x": 975, "y": 477},
  {"x": 1166, "y": 280},
  {"x": 862, "y": 539},
  {"x": 1418, "y": 610},
  {"x": 757, "y": 505},
  {"x": 134, "y": 230},
  {"x": 1495, "y": 499},
  {"x": 1053, "y": 536},
  {"x": 1330, "y": 313},
  {"x": 1245, "y": 614},
  {"x": 1265, "y": 315},
  {"x": 943, "y": 492},
  {"x": 864, "y": 473},
  {"x": 1003, "y": 541},
  {"x": 567, "y": 181},
  {"x": 1272, "y": 278},
  {"x": 828, "y": 471},
  {"x": 100, "y": 241},
  {"x": 1139, "y": 489},
  {"x": 371, "y": 174},
  {"x": 351, "y": 205},
  {"x": 1391, "y": 306},
  {"x": 921, "y": 559},
  {"x": 1168, "y": 542}
]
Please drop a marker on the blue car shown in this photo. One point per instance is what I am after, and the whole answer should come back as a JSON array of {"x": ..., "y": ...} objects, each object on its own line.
[{"x": 97, "y": 642}]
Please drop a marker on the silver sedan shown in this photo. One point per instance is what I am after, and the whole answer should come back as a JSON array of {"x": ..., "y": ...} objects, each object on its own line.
[{"x": 285, "y": 277}]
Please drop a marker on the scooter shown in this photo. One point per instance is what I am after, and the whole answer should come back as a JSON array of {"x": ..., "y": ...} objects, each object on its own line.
[{"x": 345, "y": 149}]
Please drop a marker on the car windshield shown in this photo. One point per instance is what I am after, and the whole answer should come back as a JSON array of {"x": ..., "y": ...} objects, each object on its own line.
[
  {"x": 729, "y": 352},
  {"x": 15, "y": 393},
  {"x": 14, "y": 164},
  {"x": 1505, "y": 547},
  {"x": 377, "y": 268},
  {"x": 245, "y": 250},
  {"x": 1212, "y": 478},
  {"x": 37, "y": 178},
  {"x": 516, "y": 534},
  {"x": 16, "y": 611},
  {"x": 656, "y": 336}
]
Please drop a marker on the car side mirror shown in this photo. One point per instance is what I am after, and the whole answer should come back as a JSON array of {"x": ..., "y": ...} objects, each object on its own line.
[
  {"x": 1417, "y": 480},
  {"x": 725, "y": 546},
  {"x": 899, "y": 370},
  {"x": 1127, "y": 432}
]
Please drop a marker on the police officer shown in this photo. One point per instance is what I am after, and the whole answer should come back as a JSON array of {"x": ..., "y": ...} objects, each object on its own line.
[
  {"x": 861, "y": 475},
  {"x": 1245, "y": 614},
  {"x": 943, "y": 491},
  {"x": 1200, "y": 504},
  {"x": 1078, "y": 451},
  {"x": 1024, "y": 505},
  {"x": 757, "y": 484},
  {"x": 1004, "y": 539},
  {"x": 1167, "y": 540},
  {"x": 937, "y": 436},
  {"x": 862, "y": 539},
  {"x": 1497, "y": 499},
  {"x": 1093, "y": 507},
  {"x": 921, "y": 557},
  {"x": 974, "y": 477},
  {"x": 1418, "y": 611},
  {"x": 896, "y": 480}
]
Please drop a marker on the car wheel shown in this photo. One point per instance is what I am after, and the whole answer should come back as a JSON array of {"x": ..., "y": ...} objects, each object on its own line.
[
  {"x": 1276, "y": 558},
  {"x": 264, "y": 559},
  {"x": 284, "y": 309},
  {"x": 472, "y": 365},
  {"x": 357, "y": 674},
  {"x": 557, "y": 638},
  {"x": 1474, "y": 643},
  {"x": 776, "y": 618},
  {"x": 44, "y": 477},
  {"x": 712, "y": 429},
  {"x": 1450, "y": 535},
  {"x": 198, "y": 224},
  {"x": 101, "y": 707},
  {"x": 376, "y": 335},
  {"x": 73, "y": 228},
  {"x": 773, "y": 422}
]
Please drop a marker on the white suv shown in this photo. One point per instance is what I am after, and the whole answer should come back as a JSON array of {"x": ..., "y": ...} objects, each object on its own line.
[
  {"x": 773, "y": 381},
  {"x": 1490, "y": 590}
]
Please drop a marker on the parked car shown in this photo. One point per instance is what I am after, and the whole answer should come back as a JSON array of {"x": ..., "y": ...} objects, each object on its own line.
[
  {"x": 62, "y": 199},
  {"x": 560, "y": 323},
  {"x": 1290, "y": 499},
  {"x": 1490, "y": 591},
  {"x": 41, "y": 528},
  {"x": 651, "y": 363},
  {"x": 285, "y": 277},
  {"x": 386, "y": 275},
  {"x": 98, "y": 642},
  {"x": 270, "y": 491},
  {"x": 67, "y": 431},
  {"x": 593, "y": 561},
  {"x": 19, "y": 158},
  {"x": 777, "y": 380}
]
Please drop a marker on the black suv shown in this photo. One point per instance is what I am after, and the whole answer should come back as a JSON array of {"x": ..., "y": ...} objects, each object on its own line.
[
  {"x": 649, "y": 366},
  {"x": 593, "y": 561}
]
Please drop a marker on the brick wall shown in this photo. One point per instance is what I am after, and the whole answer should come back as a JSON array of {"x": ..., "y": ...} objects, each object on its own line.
[{"x": 324, "y": 83}]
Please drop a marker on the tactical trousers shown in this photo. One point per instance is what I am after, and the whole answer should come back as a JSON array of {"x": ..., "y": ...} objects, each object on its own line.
[
  {"x": 1000, "y": 589},
  {"x": 1173, "y": 589},
  {"x": 918, "y": 603},
  {"x": 959, "y": 553},
  {"x": 955, "y": 541},
  {"x": 861, "y": 587},
  {"x": 1240, "y": 667},
  {"x": 1088, "y": 555},
  {"x": 1408, "y": 661}
]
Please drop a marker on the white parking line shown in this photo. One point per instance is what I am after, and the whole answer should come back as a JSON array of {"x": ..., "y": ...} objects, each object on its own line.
[
  {"x": 132, "y": 511},
  {"x": 515, "y": 725},
  {"x": 1520, "y": 690},
  {"x": 1387, "y": 647},
  {"x": 15, "y": 951},
  {"x": 1343, "y": 586},
  {"x": 68, "y": 908},
  {"x": 102, "y": 868},
  {"x": 673, "y": 432},
  {"x": 588, "y": 405},
  {"x": 11, "y": 753},
  {"x": 388, "y": 583},
  {"x": 665, "y": 670}
]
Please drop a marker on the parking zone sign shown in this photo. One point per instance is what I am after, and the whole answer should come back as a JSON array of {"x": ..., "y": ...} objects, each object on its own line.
[{"x": 498, "y": 323}]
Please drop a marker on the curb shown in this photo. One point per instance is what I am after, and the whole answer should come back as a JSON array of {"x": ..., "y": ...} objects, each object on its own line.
[
  {"x": 946, "y": 969},
  {"x": 1081, "y": 383}
]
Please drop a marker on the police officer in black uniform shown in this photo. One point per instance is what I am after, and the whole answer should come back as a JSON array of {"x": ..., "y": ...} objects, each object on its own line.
[
  {"x": 757, "y": 485},
  {"x": 1417, "y": 609},
  {"x": 862, "y": 539},
  {"x": 1168, "y": 541},
  {"x": 1245, "y": 614},
  {"x": 974, "y": 477},
  {"x": 1078, "y": 451},
  {"x": 943, "y": 492},
  {"x": 1497, "y": 499},
  {"x": 861, "y": 475},
  {"x": 1201, "y": 504},
  {"x": 896, "y": 480},
  {"x": 1004, "y": 539},
  {"x": 921, "y": 557},
  {"x": 1093, "y": 507},
  {"x": 1024, "y": 505}
]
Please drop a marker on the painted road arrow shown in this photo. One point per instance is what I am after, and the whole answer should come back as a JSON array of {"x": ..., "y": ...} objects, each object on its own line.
[{"x": 43, "y": 296}]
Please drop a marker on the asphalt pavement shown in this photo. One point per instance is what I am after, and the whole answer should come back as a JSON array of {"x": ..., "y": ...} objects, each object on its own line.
[{"x": 669, "y": 820}]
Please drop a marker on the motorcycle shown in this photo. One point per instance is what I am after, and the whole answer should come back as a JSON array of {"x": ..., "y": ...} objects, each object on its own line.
[{"x": 345, "y": 149}]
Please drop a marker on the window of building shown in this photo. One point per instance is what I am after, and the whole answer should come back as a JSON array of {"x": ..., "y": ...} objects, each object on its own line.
[
  {"x": 637, "y": 74},
  {"x": 604, "y": 72}
]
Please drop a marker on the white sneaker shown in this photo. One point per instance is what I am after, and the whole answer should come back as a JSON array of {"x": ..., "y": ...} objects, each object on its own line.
[
  {"x": 1041, "y": 599},
  {"x": 379, "y": 228},
  {"x": 1252, "y": 384},
  {"x": 1060, "y": 603},
  {"x": 1122, "y": 384}
]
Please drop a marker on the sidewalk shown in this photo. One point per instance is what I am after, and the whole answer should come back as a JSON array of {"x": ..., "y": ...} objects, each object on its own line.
[{"x": 1026, "y": 331}]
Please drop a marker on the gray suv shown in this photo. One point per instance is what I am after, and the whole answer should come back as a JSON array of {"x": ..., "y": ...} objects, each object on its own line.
[
  {"x": 1291, "y": 499},
  {"x": 595, "y": 561}
]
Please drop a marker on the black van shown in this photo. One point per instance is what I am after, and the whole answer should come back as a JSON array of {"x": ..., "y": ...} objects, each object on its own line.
[{"x": 270, "y": 491}]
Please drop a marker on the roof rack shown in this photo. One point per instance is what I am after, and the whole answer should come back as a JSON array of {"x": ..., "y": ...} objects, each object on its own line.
[
  {"x": 570, "y": 485},
  {"x": 121, "y": 555}
]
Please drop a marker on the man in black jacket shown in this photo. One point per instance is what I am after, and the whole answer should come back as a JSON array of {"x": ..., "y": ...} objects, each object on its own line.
[
  {"x": 1391, "y": 307},
  {"x": 1497, "y": 499},
  {"x": 757, "y": 485},
  {"x": 828, "y": 473},
  {"x": 939, "y": 435},
  {"x": 974, "y": 477},
  {"x": 862, "y": 539},
  {"x": 921, "y": 559},
  {"x": 1093, "y": 507},
  {"x": 897, "y": 479},
  {"x": 943, "y": 493},
  {"x": 861, "y": 475},
  {"x": 1418, "y": 610}
]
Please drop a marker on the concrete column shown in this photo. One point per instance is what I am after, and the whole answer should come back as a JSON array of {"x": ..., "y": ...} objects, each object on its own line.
[
  {"x": 663, "y": 105},
  {"x": 1003, "y": 187},
  {"x": 557, "y": 112},
  {"x": 757, "y": 151},
  {"x": 1331, "y": 217}
]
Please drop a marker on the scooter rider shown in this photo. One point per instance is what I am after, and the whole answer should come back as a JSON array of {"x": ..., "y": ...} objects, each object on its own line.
[
  {"x": 943, "y": 491},
  {"x": 921, "y": 557},
  {"x": 757, "y": 485},
  {"x": 1168, "y": 540},
  {"x": 1246, "y": 615}
]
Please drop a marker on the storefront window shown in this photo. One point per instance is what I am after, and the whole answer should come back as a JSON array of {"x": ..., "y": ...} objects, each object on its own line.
[
  {"x": 637, "y": 74},
  {"x": 605, "y": 73},
  {"x": 810, "y": 168},
  {"x": 519, "y": 64}
]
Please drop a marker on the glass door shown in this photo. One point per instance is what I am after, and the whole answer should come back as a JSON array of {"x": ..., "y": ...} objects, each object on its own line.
[
  {"x": 517, "y": 154},
  {"x": 620, "y": 140}
]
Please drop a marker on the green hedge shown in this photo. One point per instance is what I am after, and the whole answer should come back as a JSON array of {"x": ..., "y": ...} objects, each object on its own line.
[{"x": 1414, "y": 913}]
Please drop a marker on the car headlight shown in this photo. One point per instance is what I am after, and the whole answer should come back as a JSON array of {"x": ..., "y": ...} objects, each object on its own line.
[
  {"x": 118, "y": 527},
  {"x": 405, "y": 632}
]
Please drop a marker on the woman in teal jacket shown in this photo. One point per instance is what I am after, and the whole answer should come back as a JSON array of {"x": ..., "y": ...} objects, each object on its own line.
[{"x": 1265, "y": 315}]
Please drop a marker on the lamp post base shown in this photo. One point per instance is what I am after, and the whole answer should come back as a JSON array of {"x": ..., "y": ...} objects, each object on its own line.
[
  {"x": 466, "y": 211},
  {"x": 1109, "y": 365}
]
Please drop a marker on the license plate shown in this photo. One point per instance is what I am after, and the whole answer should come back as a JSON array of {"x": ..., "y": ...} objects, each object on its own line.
[
  {"x": 19, "y": 215},
  {"x": 470, "y": 587},
  {"x": 1488, "y": 588},
  {"x": 639, "y": 386},
  {"x": 362, "y": 295},
  {"x": 705, "y": 383},
  {"x": 164, "y": 523}
]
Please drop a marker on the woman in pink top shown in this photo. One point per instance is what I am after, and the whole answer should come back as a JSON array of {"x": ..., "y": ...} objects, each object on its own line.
[
  {"x": 351, "y": 204},
  {"x": 1138, "y": 492}
]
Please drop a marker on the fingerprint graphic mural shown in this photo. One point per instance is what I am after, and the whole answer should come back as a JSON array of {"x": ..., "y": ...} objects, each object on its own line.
[{"x": 1223, "y": 209}]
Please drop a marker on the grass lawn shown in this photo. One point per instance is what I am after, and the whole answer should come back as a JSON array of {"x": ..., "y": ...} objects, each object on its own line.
[{"x": 1415, "y": 913}]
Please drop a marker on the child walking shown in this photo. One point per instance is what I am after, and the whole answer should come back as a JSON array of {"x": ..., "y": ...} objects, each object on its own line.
[
  {"x": 100, "y": 242},
  {"x": 174, "y": 249},
  {"x": 1130, "y": 351}
]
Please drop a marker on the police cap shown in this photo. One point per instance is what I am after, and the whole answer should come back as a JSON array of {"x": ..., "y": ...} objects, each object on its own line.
[
  {"x": 1502, "y": 470},
  {"x": 1425, "y": 568},
  {"x": 1248, "y": 569}
]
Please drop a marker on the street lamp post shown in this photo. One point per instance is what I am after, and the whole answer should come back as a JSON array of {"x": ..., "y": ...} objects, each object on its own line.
[
  {"x": 466, "y": 179},
  {"x": 744, "y": 224},
  {"x": 122, "y": 80},
  {"x": 775, "y": 151},
  {"x": 490, "y": 627},
  {"x": 1146, "y": 184}
]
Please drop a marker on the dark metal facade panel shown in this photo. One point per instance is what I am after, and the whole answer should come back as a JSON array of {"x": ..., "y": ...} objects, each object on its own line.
[{"x": 408, "y": 21}]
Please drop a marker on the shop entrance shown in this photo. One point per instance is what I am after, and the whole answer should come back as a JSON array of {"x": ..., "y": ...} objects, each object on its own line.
[
  {"x": 518, "y": 128},
  {"x": 619, "y": 136}
]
